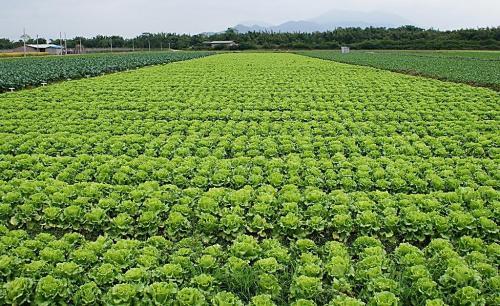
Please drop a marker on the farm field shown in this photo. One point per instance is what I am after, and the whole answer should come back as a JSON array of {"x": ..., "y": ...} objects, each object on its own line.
[
  {"x": 33, "y": 71},
  {"x": 472, "y": 54},
  {"x": 481, "y": 68},
  {"x": 21, "y": 54},
  {"x": 250, "y": 179}
]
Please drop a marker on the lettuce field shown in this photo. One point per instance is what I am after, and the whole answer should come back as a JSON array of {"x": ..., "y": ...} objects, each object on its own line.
[
  {"x": 250, "y": 179},
  {"x": 479, "y": 68},
  {"x": 18, "y": 73}
]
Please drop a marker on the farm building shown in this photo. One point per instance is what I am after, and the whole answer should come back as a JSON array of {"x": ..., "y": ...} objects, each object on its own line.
[
  {"x": 21, "y": 49},
  {"x": 49, "y": 48},
  {"x": 221, "y": 43}
]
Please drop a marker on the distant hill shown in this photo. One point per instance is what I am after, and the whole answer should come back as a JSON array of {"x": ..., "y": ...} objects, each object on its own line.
[{"x": 329, "y": 21}]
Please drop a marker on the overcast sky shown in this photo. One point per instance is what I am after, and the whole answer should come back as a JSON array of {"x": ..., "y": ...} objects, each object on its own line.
[{"x": 131, "y": 17}]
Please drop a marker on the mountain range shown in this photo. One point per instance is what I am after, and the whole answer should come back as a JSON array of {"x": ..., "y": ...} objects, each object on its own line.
[{"x": 328, "y": 21}]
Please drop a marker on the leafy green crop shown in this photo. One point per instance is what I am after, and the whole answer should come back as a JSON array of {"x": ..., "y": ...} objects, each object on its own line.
[
  {"x": 32, "y": 71},
  {"x": 250, "y": 179},
  {"x": 477, "y": 68}
]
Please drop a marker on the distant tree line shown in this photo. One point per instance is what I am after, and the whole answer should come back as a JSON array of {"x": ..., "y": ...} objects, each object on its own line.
[{"x": 406, "y": 37}]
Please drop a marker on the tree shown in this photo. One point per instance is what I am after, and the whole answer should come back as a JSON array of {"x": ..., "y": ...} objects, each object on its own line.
[{"x": 6, "y": 44}]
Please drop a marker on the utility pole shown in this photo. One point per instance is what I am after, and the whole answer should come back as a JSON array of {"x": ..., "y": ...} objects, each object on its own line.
[
  {"x": 24, "y": 37},
  {"x": 111, "y": 40},
  {"x": 169, "y": 49},
  {"x": 161, "y": 46},
  {"x": 37, "y": 39},
  {"x": 65, "y": 44},
  {"x": 133, "y": 45},
  {"x": 80, "y": 52},
  {"x": 60, "y": 42},
  {"x": 149, "y": 43},
  {"x": 24, "y": 41}
]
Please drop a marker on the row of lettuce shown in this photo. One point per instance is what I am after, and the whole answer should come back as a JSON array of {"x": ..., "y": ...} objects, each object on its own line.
[
  {"x": 45, "y": 270},
  {"x": 466, "y": 130},
  {"x": 34, "y": 71},
  {"x": 230, "y": 146},
  {"x": 289, "y": 112},
  {"x": 222, "y": 214},
  {"x": 401, "y": 174}
]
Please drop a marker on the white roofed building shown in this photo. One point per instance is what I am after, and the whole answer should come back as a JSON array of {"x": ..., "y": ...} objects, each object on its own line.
[
  {"x": 49, "y": 48},
  {"x": 221, "y": 43}
]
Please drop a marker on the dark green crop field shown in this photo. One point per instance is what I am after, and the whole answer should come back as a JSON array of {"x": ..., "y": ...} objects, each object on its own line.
[
  {"x": 33, "y": 71},
  {"x": 481, "y": 68}
]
